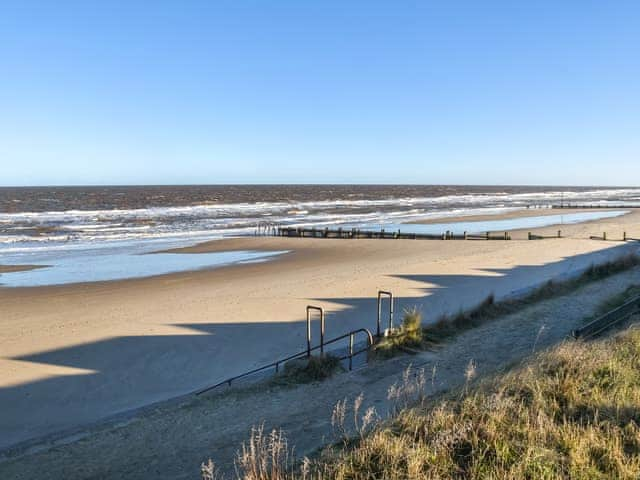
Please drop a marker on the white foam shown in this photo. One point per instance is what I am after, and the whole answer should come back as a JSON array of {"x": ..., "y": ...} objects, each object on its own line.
[{"x": 88, "y": 229}]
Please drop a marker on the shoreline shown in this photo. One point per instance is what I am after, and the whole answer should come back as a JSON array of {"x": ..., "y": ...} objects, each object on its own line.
[
  {"x": 19, "y": 268},
  {"x": 262, "y": 244},
  {"x": 516, "y": 213}
]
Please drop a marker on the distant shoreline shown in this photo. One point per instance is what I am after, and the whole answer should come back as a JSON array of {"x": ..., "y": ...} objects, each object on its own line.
[
  {"x": 516, "y": 213},
  {"x": 19, "y": 268}
]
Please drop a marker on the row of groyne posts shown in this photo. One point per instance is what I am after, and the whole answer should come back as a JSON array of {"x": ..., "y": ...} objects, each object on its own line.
[
  {"x": 265, "y": 228},
  {"x": 352, "y": 351},
  {"x": 354, "y": 233}
]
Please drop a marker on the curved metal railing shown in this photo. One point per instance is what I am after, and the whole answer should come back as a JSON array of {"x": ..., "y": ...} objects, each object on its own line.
[{"x": 304, "y": 354}]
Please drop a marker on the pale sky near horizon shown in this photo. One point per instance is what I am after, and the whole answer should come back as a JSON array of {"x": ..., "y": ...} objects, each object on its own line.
[{"x": 461, "y": 92}]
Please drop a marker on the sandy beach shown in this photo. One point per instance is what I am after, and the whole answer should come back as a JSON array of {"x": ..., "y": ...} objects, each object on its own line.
[{"x": 75, "y": 354}]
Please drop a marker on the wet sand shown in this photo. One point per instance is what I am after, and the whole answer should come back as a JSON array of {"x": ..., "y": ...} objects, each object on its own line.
[
  {"x": 18, "y": 268},
  {"x": 74, "y": 354}
]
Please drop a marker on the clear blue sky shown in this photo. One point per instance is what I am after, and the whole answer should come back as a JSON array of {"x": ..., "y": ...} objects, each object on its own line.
[{"x": 537, "y": 92}]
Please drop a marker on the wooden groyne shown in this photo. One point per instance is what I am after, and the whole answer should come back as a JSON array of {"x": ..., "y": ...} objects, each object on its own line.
[
  {"x": 579, "y": 206},
  {"x": 355, "y": 233}
]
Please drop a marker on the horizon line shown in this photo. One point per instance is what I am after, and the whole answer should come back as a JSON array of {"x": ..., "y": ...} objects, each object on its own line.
[{"x": 305, "y": 184}]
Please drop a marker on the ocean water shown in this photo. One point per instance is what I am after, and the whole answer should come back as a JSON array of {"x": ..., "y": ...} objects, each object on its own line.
[{"x": 63, "y": 226}]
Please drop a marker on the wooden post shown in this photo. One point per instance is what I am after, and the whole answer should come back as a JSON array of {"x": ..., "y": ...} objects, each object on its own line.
[
  {"x": 487, "y": 235},
  {"x": 529, "y": 235},
  {"x": 604, "y": 235},
  {"x": 624, "y": 236},
  {"x": 465, "y": 234},
  {"x": 559, "y": 234}
]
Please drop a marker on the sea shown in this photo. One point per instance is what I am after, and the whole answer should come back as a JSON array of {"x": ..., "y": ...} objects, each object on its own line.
[{"x": 98, "y": 233}]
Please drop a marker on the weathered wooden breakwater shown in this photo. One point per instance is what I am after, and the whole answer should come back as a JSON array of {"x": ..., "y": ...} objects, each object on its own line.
[
  {"x": 580, "y": 206},
  {"x": 355, "y": 233}
]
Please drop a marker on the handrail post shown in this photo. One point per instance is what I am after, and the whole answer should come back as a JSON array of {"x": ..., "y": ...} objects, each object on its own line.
[
  {"x": 351, "y": 351},
  {"x": 321, "y": 311},
  {"x": 390, "y": 295}
]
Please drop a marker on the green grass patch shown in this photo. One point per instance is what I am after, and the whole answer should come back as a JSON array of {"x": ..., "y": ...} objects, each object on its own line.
[
  {"x": 306, "y": 370},
  {"x": 410, "y": 335}
]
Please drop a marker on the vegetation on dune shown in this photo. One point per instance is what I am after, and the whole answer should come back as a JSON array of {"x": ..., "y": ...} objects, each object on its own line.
[
  {"x": 408, "y": 336},
  {"x": 489, "y": 309},
  {"x": 411, "y": 335},
  {"x": 305, "y": 370},
  {"x": 572, "y": 412}
]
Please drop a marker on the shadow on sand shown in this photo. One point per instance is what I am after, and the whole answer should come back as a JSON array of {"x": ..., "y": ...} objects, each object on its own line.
[{"x": 134, "y": 371}]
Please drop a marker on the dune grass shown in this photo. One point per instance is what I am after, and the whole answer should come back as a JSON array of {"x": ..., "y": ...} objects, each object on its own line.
[
  {"x": 306, "y": 370},
  {"x": 573, "y": 412},
  {"x": 408, "y": 336},
  {"x": 450, "y": 325}
]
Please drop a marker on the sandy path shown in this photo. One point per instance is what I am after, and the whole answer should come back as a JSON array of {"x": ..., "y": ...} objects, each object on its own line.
[
  {"x": 171, "y": 442},
  {"x": 74, "y": 354}
]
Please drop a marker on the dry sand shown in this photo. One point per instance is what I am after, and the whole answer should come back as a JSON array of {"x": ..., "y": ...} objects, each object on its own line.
[{"x": 74, "y": 354}]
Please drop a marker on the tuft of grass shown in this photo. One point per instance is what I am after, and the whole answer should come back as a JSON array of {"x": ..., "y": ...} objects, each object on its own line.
[
  {"x": 409, "y": 335},
  {"x": 265, "y": 456},
  {"x": 448, "y": 326},
  {"x": 572, "y": 412},
  {"x": 412, "y": 326},
  {"x": 306, "y": 370}
]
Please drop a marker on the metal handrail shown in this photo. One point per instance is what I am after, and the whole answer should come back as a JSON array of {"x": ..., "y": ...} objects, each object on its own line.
[
  {"x": 275, "y": 365},
  {"x": 608, "y": 319},
  {"x": 390, "y": 295},
  {"x": 321, "y": 311}
]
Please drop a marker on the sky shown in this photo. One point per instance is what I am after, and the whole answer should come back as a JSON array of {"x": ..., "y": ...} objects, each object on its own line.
[{"x": 429, "y": 92}]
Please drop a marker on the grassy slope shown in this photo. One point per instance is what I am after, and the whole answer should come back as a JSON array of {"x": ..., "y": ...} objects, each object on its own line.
[{"x": 573, "y": 412}]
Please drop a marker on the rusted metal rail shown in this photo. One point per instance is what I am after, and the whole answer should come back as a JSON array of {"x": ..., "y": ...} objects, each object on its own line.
[
  {"x": 275, "y": 366},
  {"x": 609, "y": 319},
  {"x": 320, "y": 310},
  {"x": 381, "y": 294}
]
